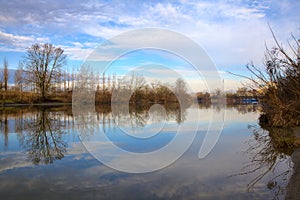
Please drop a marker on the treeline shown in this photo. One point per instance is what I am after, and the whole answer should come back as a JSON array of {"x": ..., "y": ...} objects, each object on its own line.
[
  {"x": 103, "y": 88},
  {"x": 242, "y": 95},
  {"x": 132, "y": 89},
  {"x": 39, "y": 79}
]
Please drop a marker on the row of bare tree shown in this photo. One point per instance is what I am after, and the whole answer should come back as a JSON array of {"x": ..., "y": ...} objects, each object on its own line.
[
  {"x": 131, "y": 88},
  {"x": 40, "y": 77}
]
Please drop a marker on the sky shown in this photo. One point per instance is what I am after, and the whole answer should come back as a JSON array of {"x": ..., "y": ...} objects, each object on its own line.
[{"x": 232, "y": 33}]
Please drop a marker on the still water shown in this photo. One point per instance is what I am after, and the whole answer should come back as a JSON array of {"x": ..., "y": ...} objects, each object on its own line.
[{"x": 42, "y": 155}]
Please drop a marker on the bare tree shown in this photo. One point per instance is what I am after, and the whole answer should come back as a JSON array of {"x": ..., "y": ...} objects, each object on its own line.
[
  {"x": 5, "y": 74},
  {"x": 19, "y": 77},
  {"x": 181, "y": 90},
  {"x": 84, "y": 91},
  {"x": 43, "y": 65},
  {"x": 180, "y": 86},
  {"x": 1, "y": 80},
  {"x": 278, "y": 84}
]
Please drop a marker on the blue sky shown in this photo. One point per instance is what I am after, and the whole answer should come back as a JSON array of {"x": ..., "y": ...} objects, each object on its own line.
[{"x": 231, "y": 32}]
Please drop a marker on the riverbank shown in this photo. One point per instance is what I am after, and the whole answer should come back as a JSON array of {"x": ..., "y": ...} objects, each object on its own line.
[
  {"x": 35, "y": 104},
  {"x": 292, "y": 190}
]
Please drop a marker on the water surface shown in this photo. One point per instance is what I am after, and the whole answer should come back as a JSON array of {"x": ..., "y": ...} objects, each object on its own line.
[{"x": 42, "y": 156}]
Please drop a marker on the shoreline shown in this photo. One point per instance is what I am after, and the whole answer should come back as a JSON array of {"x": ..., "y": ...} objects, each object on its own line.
[
  {"x": 292, "y": 189},
  {"x": 6, "y": 105}
]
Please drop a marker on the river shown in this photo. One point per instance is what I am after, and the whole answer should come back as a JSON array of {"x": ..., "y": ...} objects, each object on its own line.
[{"x": 46, "y": 153}]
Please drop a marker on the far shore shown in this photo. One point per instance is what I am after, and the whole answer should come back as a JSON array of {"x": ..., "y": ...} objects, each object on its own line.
[{"x": 36, "y": 104}]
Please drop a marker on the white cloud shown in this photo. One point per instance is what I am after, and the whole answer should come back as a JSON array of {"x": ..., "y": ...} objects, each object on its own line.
[
  {"x": 77, "y": 53},
  {"x": 12, "y": 42},
  {"x": 13, "y": 39},
  {"x": 232, "y": 33},
  {"x": 228, "y": 9}
]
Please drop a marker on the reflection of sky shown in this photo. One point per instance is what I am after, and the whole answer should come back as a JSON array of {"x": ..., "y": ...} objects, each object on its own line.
[
  {"x": 78, "y": 175},
  {"x": 132, "y": 143}
]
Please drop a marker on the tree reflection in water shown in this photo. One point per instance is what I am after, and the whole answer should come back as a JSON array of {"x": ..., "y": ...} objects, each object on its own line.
[
  {"x": 4, "y": 128},
  {"x": 90, "y": 119},
  {"x": 270, "y": 152},
  {"x": 41, "y": 130},
  {"x": 42, "y": 137}
]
